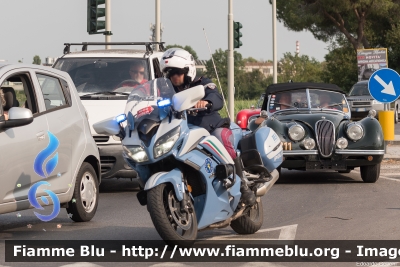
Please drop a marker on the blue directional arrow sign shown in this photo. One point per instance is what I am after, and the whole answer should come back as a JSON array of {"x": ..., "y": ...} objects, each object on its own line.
[{"x": 384, "y": 85}]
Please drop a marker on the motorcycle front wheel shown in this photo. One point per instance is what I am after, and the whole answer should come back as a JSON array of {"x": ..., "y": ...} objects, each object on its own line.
[
  {"x": 175, "y": 227},
  {"x": 250, "y": 222}
]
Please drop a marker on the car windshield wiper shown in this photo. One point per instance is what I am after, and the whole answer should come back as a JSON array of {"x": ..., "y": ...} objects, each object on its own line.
[
  {"x": 106, "y": 93},
  {"x": 332, "y": 105},
  {"x": 287, "y": 105}
]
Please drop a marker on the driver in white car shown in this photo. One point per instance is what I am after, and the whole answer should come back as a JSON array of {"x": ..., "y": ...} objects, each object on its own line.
[{"x": 136, "y": 72}]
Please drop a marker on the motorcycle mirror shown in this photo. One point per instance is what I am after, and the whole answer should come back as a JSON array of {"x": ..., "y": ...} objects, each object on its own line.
[
  {"x": 188, "y": 98},
  {"x": 108, "y": 126}
]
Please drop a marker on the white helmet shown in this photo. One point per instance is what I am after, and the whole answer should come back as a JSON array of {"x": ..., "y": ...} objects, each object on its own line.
[{"x": 177, "y": 58}]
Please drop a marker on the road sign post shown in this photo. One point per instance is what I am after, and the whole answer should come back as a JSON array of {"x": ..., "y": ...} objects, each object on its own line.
[{"x": 384, "y": 86}]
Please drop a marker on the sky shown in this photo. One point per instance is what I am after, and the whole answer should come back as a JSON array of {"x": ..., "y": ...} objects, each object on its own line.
[{"x": 41, "y": 27}]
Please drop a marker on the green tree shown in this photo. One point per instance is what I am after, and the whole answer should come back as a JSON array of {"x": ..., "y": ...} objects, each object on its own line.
[
  {"x": 299, "y": 69},
  {"x": 221, "y": 64},
  {"x": 37, "y": 60},
  {"x": 340, "y": 66},
  {"x": 251, "y": 60},
  {"x": 186, "y": 47},
  {"x": 329, "y": 19}
]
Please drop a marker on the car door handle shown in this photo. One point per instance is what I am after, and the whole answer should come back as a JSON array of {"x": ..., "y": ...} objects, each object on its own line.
[{"x": 40, "y": 136}]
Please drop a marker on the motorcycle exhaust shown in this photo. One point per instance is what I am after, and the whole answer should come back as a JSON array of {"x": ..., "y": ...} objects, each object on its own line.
[
  {"x": 225, "y": 223},
  {"x": 267, "y": 186}
]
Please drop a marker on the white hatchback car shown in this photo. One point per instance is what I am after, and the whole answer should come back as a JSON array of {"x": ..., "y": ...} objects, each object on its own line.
[{"x": 45, "y": 140}]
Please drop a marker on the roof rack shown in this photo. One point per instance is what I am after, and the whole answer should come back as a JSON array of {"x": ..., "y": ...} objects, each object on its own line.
[{"x": 149, "y": 49}]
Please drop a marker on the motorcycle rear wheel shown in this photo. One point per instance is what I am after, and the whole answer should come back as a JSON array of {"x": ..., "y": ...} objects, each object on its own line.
[
  {"x": 174, "y": 227},
  {"x": 251, "y": 222}
]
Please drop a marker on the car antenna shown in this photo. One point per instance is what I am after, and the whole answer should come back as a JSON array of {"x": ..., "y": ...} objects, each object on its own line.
[{"x": 215, "y": 69}]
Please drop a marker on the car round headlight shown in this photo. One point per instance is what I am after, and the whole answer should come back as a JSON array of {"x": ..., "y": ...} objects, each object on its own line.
[
  {"x": 342, "y": 143},
  {"x": 355, "y": 131},
  {"x": 296, "y": 132},
  {"x": 309, "y": 143},
  {"x": 372, "y": 113}
]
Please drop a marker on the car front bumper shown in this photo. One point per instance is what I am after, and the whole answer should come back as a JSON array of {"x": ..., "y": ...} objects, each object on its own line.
[
  {"x": 340, "y": 160},
  {"x": 113, "y": 163}
]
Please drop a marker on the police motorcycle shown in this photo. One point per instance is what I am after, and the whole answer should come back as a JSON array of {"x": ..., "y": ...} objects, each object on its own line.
[{"x": 189, "y": 181}]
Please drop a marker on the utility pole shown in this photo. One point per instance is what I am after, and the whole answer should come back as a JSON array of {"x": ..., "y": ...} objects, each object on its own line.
[
  {"x": 230, "y": 63},
  {"x": 275, "y": 66},
  {"x": 157, "y": 23},
  {"x": 108, "y": 23}
]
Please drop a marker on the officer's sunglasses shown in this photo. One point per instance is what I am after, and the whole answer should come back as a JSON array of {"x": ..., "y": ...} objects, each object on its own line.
[{"x": 174, "y": 71}]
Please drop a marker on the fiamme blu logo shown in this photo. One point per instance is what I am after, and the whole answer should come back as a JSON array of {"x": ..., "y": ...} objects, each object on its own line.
[{"x": 45, "y": 163}]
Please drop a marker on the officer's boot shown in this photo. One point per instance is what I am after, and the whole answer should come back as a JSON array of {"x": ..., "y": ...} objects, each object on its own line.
[{"x": 248, "y": 196}]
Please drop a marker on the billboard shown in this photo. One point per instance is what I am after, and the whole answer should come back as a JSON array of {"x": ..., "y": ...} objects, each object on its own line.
[{"x": 370, "y": 60}]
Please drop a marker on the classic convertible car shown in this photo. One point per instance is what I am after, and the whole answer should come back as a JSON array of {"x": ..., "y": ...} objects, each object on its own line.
[{"x": 313, "y": 122}]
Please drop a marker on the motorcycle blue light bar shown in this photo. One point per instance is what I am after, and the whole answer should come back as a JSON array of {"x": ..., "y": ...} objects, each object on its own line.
[
  {"x": 164, "y": 103},
  {"x": 120, "y": 118}
]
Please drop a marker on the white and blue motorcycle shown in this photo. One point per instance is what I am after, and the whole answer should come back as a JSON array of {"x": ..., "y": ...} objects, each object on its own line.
[{"x": 189, "y": 181}]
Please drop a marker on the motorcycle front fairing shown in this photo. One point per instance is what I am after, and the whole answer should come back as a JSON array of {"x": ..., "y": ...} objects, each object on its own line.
[{"x": 216, "y": 203}]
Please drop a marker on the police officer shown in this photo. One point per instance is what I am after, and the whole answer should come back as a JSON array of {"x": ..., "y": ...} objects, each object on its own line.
[{"x": 178, "y": 65}]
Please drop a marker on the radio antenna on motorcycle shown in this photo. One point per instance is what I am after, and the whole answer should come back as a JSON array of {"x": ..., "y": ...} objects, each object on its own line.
[{"x": 215, "y": 69}]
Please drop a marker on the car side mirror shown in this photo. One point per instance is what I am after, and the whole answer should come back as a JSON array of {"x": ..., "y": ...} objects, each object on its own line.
[
  {"x": 17, "y": 117},
  {"x": 264, "y": 114}
]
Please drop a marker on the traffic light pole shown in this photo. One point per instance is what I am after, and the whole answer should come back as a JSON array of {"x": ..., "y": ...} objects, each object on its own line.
[
  {"x": 230, "y": 63},
  {"x": 275, "y": 64},
  {"x": 108, "y": 23},
  {"x": 157, "y": 24}
]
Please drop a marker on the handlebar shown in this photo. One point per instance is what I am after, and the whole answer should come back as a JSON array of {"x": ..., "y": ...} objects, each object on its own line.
[{"x": 208, "y": 107}]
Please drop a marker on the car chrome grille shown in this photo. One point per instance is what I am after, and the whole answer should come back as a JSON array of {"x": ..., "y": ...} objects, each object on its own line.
[
  {"x": 361, "y": 103},
  {"x": 325, "y": 134},
  {"x": 101, "y": 138}
]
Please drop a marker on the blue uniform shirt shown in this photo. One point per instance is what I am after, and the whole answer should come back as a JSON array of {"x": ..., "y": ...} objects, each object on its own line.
[{"x": 210, "y": 120}]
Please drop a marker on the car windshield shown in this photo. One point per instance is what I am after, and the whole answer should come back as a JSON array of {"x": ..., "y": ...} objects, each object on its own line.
[
  {"x": 93, "y": 75},
  {"x": 158, "y": 89},
  {"x": 359, "y": 89},
  {"x": 260, "y": 101},
  {"x": 298, "y": 100}
]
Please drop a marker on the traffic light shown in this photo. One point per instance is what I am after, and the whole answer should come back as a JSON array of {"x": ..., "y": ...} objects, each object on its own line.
[
  {"x": 94, "y": 12},
  {"x": 237, "y": 34}
]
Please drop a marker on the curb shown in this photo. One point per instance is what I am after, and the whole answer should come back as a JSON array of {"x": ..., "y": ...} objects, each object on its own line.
[
  {"x": 391, "y": 158},
  {"x": 395, "y": 142}
]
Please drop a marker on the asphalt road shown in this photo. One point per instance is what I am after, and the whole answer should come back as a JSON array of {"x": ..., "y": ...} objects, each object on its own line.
[{"x": 305, "y": 205}]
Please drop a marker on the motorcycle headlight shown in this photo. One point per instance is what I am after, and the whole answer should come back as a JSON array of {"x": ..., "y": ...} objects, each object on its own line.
[
  {"x": 137, "y": 153},
  {"x": 355, "y": 131},
  {"x": 296, "y": 132},
  {"x": 342, "y": 143},
  {"x": 309, "y": 143},
  {"x": 165, "y": 143}
]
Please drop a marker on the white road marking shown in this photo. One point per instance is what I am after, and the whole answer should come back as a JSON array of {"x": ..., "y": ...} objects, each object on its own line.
[
  {"x": 81, "y": 264},
  {"x": 288, "y": 232},
  {"x": 393, "y": 179}
]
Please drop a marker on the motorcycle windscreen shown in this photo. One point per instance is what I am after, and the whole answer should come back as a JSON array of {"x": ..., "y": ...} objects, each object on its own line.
[{"x": 147, "y": 123}]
